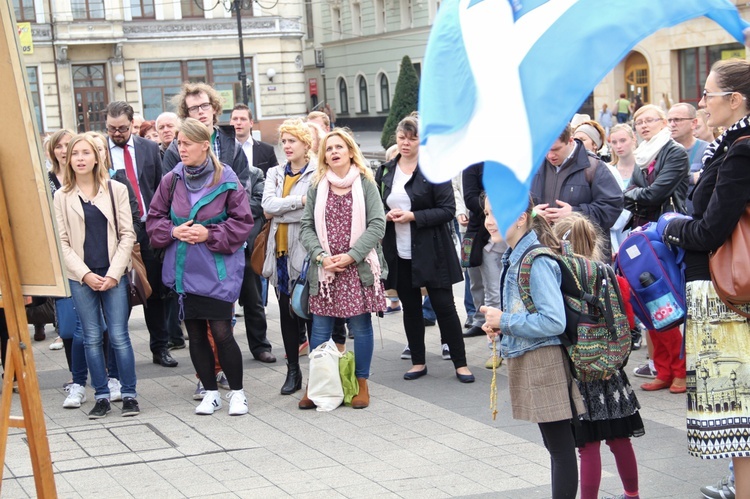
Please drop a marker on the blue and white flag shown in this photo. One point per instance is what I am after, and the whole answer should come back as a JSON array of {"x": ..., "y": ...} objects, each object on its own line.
[{"x": 501, "y": 78}]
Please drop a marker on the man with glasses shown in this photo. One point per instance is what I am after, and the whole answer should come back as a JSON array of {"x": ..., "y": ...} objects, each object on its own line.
[
  {"x": 570, "y": 179},
  {"x": 141, "y": 161},
  {"x": 683, "y": 121}
]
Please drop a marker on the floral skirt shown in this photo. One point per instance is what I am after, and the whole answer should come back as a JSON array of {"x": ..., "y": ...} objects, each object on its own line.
[
  {"x": 717, "y": 345},
  {"x": 347, "y": 297}
]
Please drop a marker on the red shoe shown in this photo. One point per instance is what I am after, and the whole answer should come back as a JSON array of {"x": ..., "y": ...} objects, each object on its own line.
[
  {"x": 678, "y": 386},
  {"x": 657, "y": 384}
]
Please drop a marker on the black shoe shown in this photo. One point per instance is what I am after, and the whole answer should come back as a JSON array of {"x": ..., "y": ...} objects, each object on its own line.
[
  {"x": 469, "y": 323},
  {"x": 176, "y": 345},
  {"x": 474, "y": 331},
  {"x": 428, "y": 323},
  {"x": 100, "y": 410},
  {"x": 130, "y": 407},
  {"x": 293, "y": 380},
  {"x": 465, "y": 378},
  {"x": 164, "y": 359},
  {"x": 415, "y": 375},
  {"x": 266, "y": 357}
]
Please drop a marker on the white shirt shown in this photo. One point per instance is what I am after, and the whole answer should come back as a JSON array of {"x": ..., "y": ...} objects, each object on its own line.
[
  {"x": 247, "y": 148},
  {"x": 398, "y": 199},
  {"x": 117, "y": 154}
]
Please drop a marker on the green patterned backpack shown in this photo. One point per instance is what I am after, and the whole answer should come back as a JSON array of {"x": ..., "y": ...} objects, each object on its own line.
[{"x": 597, "y": 334}]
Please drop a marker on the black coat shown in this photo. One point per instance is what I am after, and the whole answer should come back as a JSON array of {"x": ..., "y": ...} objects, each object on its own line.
[
  {"x": 473, "y": 186},
  {"x": 668, "y": 191},
  {"x": 719, "y": 200},
  {"x": 434, "y": 260},
  {"x": 264, "y": 157}
]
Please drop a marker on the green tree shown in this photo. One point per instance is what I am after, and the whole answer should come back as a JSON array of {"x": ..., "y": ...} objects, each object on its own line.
[{"x": 404, "y": 101}]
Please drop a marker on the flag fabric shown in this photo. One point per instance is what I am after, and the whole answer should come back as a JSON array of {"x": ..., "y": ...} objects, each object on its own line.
[{"x": 501, "y": 78}]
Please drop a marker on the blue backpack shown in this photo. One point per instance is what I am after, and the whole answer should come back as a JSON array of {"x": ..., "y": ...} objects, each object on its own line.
[{"x": 656, "y": 274}]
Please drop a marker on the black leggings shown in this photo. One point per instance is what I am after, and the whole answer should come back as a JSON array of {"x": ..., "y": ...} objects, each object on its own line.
[
  {"x": 292, "y": 329},
  {"x": 560, "y": 443},
  {"x": 445, "y": 310},
  {"x": 227, "y": 349}
]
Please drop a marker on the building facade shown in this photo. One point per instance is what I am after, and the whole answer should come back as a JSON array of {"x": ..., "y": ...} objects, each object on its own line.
[
  {"x": 87, "y": 53},
  {"x": 354, "y": 49}
]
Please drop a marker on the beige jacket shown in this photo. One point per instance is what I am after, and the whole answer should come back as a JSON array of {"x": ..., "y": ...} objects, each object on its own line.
[{"x": 72, "y": 229}]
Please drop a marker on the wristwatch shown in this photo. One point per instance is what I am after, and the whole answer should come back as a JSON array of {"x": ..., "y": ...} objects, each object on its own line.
[{"x": 321, "y": 256}]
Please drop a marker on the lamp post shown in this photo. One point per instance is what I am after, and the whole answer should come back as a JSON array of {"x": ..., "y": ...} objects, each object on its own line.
[
  {"x": 733, "y": 379},
  {"x": 704, "y": 376}
]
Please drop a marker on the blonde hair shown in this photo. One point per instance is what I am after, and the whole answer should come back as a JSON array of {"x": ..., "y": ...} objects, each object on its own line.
[
  {"x": 357, "y": 157},
  {"x": 620, "y": 127},
  {"x": 650, "y": 107},
  {"x": 100, "y": 171},
  {"x": 51, "y": 143},
  {"x": 585, "y": 238},
  {"x": 100, "y": 136},
  {"x": 319, "y": 114},
  {"x": 316, "y": 133},
  {"x": 300, "y": 131},
  {"x": 195, "y": 131}
]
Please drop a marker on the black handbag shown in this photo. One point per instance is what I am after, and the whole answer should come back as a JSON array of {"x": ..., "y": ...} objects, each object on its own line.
[
  {"x": 300, "y": 297},
  {"x": 41, "y": 311}
]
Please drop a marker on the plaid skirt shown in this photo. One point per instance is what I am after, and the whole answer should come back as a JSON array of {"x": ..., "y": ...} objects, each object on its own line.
[{"x": 542, "y": 387}]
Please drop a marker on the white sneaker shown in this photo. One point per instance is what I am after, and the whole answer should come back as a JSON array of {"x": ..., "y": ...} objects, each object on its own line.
[
  {"x": 199, "y": 392},
  {"x": 114, "y": 390},
  {"x": 57, "y": 344},
  {"x": 76, "y": 396},
  {"x": 446, "y": 352},
  {"x": 221, "y": 380},
  {"x": 211, "y": 402},
  {"x": 237, "y": 403}
]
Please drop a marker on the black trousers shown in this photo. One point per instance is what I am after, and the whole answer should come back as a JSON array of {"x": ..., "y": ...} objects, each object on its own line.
[
  {"x": 560, "y": 443},
  {"x": 155, "y": 311},
  {"x": 251, "y": 299},
  {"x": 445, "y": 310},
  {"x": 291, "y": 328}
]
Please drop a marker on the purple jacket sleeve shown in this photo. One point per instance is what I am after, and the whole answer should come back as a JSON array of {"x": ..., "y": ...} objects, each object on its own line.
[
  {"x": 158, "y": 224},
  {"x": 228, "y": 236}
]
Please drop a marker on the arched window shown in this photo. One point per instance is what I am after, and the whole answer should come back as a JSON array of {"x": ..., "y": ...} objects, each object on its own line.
[
  {"x": 363, "y": 107},
  {"x": 343, "y": 97},
  {"x": 385, "y": 93}
]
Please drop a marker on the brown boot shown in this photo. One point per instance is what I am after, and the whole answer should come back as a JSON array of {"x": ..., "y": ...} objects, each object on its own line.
[
  {"x": 362, "y": 399},
  {"x": 39, "y": 334},
  {"x": 305, "y": 403}
]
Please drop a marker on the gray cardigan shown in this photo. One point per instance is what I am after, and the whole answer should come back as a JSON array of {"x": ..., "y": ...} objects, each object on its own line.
[{"x": 370, "y": 238}]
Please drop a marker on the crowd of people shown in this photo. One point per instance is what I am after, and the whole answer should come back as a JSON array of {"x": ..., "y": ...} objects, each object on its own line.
[{"x": 195, "y": 198}]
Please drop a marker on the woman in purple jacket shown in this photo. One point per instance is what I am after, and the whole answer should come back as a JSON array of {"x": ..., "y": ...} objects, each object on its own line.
[{"x": 201, "y": 215}]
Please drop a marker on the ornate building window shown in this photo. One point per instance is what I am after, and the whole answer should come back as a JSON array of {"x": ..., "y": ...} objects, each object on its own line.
[
  {"x": 343, "y": 97},
  {"x": 87, "y": 9},
  {"x": 385, "y": 92},
  {"x": 142, "y": 9},
  {"x": 363, "y": 99},
  {"x": 24, "y": 10}
]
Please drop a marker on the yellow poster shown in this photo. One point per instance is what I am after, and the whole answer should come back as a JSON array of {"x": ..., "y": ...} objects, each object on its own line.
[
  {"x": 228, "y": 98},
  {"x": 24, "y": 38},
  {"x": 733, "y": 54}
]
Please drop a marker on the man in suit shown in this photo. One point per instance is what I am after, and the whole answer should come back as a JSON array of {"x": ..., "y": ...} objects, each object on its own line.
[
  {"x": 141, "y": 161},
  {"x": 262, "y": 157}
]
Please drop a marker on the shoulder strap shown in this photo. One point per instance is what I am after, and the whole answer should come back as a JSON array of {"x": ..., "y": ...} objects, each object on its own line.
[
  {"x": 524, "y": 272},
  {"x": 114, "y": 209},
  {"x": 590, "y": 170},
  {"x": 172, "y": 186}
]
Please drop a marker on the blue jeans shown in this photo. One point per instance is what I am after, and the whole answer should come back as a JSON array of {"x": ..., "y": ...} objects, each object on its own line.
[
  {"x": 361, "y": 328},
  {"x": 114, "y": 304},
  {"x": 427, "y": 311}
]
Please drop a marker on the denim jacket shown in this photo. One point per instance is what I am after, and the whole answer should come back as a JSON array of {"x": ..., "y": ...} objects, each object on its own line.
[{"x": 524, "y": 331}]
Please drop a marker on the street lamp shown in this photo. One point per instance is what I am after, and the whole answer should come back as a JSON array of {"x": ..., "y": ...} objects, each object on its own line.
[{"x": 733, "y": 379}]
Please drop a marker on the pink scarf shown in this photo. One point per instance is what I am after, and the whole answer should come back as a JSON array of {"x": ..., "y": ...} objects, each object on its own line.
[{"x": 359, "y": 221}]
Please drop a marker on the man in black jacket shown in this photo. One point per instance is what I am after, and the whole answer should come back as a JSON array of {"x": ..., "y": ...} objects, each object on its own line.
[
  {"x": 261, "y": 157},
  {"x": 572, "y": 180},
  {"x": 141, "y": 161}
]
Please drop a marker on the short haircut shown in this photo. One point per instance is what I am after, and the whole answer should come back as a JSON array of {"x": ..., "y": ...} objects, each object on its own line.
[
  {"x": 165, "y": 115},
  {"x": 566, "y": 134},
  {"x": 195, "y": 89},
  {"x": 117, "y": 108},
  {"x": 243, "y": 107},
  {"x": 319, "y": 114},
  {"x": 690, "y": 108}
]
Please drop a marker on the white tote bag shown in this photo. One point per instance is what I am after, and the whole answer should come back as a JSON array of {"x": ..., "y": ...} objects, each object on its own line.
[{"x": 324, "y": 383}]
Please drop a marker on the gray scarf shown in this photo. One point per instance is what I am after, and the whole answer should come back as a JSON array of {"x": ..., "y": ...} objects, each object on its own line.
[{"x": 198, "y": 177}]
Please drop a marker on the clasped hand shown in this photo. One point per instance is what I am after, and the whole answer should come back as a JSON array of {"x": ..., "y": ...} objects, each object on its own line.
[
  {"x": 399, "y": 216},
  {"x": 337, "y": 263},
  {"x": 189, "y": 233},
  {"x": 99, "y": 283}
]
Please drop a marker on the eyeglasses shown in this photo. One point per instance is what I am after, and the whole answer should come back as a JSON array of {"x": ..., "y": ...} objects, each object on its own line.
[
  {"x": 715, "y": 94},
  {"x": 203, "y": 107},
  {"x": 122, "y": 129},
  {"x": 647, "y": 121},
  {"x": 677, "y": 120}
]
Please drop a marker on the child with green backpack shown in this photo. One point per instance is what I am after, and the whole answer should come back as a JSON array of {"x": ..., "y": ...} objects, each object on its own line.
[{"x": 542, "y": 389}]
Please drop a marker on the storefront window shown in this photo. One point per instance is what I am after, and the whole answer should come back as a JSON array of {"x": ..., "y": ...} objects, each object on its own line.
[
  {"x": 161, "y": 81},
  {"x": 33, "y": 76},
  {"x": 695, "y": 64}
]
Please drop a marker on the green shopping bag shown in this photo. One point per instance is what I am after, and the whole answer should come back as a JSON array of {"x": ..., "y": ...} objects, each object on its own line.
[{"x": 348, "y": 378}]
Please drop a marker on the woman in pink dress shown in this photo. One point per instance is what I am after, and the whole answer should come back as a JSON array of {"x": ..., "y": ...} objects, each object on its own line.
[{"x": 342, "y": 227}]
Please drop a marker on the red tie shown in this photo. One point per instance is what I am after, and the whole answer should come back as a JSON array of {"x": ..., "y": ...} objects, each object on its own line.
[{"x": 130, "y": 172}]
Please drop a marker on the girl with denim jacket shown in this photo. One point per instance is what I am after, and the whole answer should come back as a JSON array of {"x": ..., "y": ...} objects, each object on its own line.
[{"x": 542, "y": 390}]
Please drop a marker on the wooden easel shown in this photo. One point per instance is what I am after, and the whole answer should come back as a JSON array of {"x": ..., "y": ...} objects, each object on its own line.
[{"x": 20, "y": 364}]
